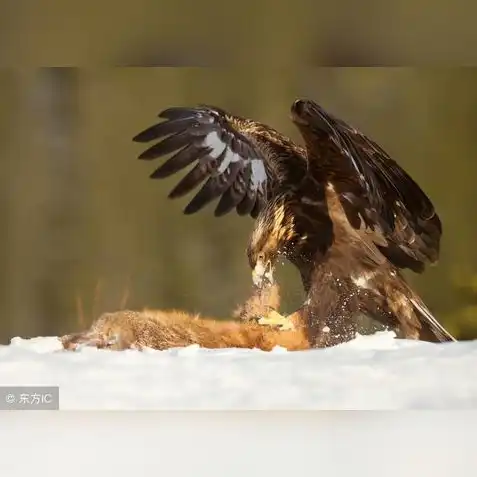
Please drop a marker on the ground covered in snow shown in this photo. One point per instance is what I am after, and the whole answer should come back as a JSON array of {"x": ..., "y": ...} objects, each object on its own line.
[{"x": 370, "y": 372}]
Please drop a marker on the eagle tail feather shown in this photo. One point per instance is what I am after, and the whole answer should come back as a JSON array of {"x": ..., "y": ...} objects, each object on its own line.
[{"x": 430, "y": 324}]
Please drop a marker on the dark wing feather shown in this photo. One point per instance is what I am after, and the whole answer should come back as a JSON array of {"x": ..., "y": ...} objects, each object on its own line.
[
  {"x": 373, "y": 188},
  {"x": 228, "y": 153}
]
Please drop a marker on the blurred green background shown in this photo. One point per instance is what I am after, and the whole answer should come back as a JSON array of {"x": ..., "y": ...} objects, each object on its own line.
[
  {"x": 270, "y": 32},
  {"x": 85, "y": 230}
]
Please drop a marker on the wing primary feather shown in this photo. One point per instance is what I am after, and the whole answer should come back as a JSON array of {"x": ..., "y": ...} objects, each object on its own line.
[
  {"x": 206, "y": 194},
  {"x": 168, "y": 145},
  {"x": 213, "y": 188},
  {"x": 259, "y": 205},
  {"x": 226, "y": 203},
  {"x": 230, "y": 198},
  {"x": 179, "y": 161},
  {"x": 165, "y": 128},
  {"x": 243, "y": 205},
  {"x": 178, "y": 112},
  {"x": 193, "y": 178},
  {"x": 246, "y": 205}
]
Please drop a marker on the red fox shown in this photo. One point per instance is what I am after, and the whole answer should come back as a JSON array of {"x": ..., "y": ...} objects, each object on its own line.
[{"x": 163, "y": 329}]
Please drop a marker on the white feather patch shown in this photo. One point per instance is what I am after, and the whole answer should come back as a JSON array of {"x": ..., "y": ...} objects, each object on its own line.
[
  {"x": 213, "y": 141},
  {"x": 259, "y": 175},
  {"x": 217, "y": 146},
  {"x": 229, "y": 157}
]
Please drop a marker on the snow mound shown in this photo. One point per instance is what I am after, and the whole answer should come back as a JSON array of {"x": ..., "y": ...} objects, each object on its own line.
[{"x": 369, "y": 372}]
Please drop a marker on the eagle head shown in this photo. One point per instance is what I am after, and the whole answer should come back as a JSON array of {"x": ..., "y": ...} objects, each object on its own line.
[
  {"x": 270, "y": 239},
  {"x": 262, "y": 262}
]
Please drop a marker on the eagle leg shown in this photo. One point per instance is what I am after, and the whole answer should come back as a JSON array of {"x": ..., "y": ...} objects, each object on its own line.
[{"x": 276, "y": 320}]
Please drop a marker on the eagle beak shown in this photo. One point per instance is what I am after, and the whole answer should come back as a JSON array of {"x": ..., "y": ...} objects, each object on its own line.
[{"x": 262, "y": 274}]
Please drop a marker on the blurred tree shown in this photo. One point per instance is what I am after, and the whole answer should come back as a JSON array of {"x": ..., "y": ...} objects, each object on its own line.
[{"x": 44, "y": 200}]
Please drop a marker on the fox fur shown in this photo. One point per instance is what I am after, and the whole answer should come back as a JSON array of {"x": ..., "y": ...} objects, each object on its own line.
[{"x": 163, "y": 329}]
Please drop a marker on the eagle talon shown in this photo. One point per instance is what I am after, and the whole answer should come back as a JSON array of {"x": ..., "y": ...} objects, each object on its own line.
[{"x": 274, "y": 319}]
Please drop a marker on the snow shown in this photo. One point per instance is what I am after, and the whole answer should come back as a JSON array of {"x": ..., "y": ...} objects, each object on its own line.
[
  {"x": 370, "y": 372},
  {"x": 238, "y": 444}
]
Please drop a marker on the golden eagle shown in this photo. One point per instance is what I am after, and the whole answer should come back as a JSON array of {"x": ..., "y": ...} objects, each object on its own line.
[{"x": 339, "y": 208}]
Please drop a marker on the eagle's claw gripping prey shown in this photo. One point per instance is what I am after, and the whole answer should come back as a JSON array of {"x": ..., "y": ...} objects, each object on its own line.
[{"x": 275, "y": 319}]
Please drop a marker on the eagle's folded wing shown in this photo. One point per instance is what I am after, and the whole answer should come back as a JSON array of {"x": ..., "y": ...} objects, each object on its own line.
[
  {"x": 224, "y": 154},
  {"x": 375, "y": 189}
]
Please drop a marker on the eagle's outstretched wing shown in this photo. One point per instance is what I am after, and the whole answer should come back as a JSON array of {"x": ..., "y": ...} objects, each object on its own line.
[
  {"x": 372, "y": 187},
  {"x": 239, "y": 159}
]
